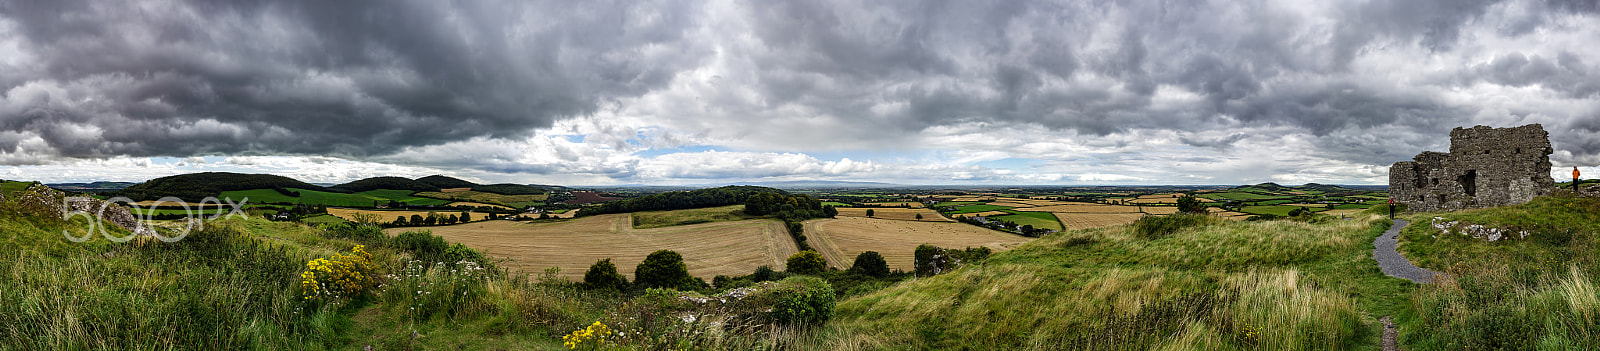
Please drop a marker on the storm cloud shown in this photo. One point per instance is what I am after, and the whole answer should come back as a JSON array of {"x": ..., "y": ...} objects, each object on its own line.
[{"x": 486, "y": 85}]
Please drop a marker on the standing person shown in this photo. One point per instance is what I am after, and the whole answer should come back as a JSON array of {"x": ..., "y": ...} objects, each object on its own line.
[
  {"x": 1574, "y": 178},
  {"x": 1391, "y": 208}
]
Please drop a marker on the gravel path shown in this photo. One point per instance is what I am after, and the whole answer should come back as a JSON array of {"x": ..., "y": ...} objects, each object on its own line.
[{"x": 1390, "y": 260}]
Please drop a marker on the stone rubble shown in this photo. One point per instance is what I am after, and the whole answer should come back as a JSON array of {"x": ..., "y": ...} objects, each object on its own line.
[
  {"x": 40, "y": 200},
  {"x": 1479, "y": 231}
]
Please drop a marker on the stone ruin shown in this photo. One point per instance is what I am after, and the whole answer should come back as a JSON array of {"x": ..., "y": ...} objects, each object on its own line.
[{"x": 1486, "y": 167}]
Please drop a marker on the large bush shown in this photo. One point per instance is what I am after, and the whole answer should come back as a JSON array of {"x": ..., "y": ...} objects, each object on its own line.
[
  {"x": 603, "y": 276},
  {"x": 870, "y": 263},
  {"x": 664, "y": 269},
  {"x": 801, "y": 300},
  {"x": 806, "y": 262}
]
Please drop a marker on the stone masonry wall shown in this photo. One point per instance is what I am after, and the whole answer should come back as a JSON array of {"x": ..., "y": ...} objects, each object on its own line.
[{"x": 1486, "y": 167}]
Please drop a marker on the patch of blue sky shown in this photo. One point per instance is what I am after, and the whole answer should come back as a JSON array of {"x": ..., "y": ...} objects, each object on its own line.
[{"x": 649, "y": 153}]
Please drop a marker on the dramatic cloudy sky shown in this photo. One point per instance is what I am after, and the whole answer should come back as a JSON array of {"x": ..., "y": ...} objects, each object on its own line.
[{"x": 691, "y": 92}]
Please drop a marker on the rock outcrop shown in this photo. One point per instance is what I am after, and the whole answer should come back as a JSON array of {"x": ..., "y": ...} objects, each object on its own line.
[
  {"x": 1486, "y": 167},
  {"x": 1479, "y": 231},
  {"x": 42, "y": 201}
]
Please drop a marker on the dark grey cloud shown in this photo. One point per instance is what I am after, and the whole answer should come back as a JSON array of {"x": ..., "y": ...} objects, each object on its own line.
[
  {"x": 328, "y": 77},
  {"x": 363, "y": 79}
]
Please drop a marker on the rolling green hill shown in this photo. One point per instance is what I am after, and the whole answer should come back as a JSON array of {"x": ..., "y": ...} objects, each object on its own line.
[
  {"x": 389, "y": 183},
  {"x": 196, "y": 186},
  {"x": 444, "y": 182}
]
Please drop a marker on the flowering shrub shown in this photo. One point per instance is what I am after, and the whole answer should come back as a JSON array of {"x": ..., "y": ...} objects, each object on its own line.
[
  {"x": 449, "y": 290},
  {"x": 341, "y": 276},
  {"x": 595, "y": 336}
]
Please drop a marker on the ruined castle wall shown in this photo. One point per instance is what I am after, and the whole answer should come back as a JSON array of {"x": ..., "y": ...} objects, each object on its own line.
[{"x": 1486, "y": 167}]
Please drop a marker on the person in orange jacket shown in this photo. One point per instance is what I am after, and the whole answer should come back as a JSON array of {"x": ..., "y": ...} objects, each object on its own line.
[{"x": 1575, "y": 178}]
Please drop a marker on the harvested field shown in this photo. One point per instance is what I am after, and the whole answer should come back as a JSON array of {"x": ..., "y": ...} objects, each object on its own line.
[
  {"x": 1013, "y": 204},
  {"x": 840, "y": 240},
  {"x": 587, "y": 197},
  {"x": 1073, "y": 221},
  {"x": 454, "y": 190},
  {"x": 1036, "y": 202},
  {"x": 710, "y": 249},
  {"x": 1159, "y": 209},
  {"x": 514, "y": 201},
  {"x": 904, "y": 214},
  {"x": 1079, "y": 207},
  {"x": 387, "y": 216},
  {"x": 1162, "y": 199},
  {"x": 1233, "y": 216},
  {"x": 477, "y": 204}
]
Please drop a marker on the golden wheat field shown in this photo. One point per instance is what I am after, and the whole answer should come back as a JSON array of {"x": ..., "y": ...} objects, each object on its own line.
[
  {"x": 1080, "y": 207},
  {"x": 1162, "y": 199},
  {"x": 709, "y": 249},
  {"x": 478, "y": 204},
  {"x": 1074, "y": 221},
  {"x": 1013, "y": 204},
  {"x": 841, "y": 239},
  {"x": 904, "y": 214}
]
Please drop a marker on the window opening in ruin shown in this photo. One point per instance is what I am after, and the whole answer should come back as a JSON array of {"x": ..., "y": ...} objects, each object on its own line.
[
  {"x": 1435, "y": 181},
  {"x": 1485, "y": 152},
  {"x": 1469, "y": 182}
]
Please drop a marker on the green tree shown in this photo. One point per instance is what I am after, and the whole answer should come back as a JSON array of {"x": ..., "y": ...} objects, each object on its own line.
[
  {"x": 1190, "y": 204},
  {"x": 806, "y": 262},
  {"x": 830, "y": 211},
  {"x": 919, "y": 216},
  {"x": 870, "y": 212},
  {"x": 603, "y": 276},
  {"x": 465, "y": 217},
  {"x": 870, "y": 263},
  {"x": 416, "y": 220},
  {"x": 399, "y": 221},
  {"x": 450, "y": 220},
  {"x": 663, "y": 269}
]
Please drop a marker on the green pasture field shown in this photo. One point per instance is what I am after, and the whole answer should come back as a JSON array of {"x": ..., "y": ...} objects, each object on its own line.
[
  {"x": 836, "y": 204},
  {"x": 978, "y": 208},
  {"x": 403, "y": 196},
  {"x": 310, "y": 197},
  {"x": 1042, "y": 220},
  {"x": 657, "y": 219}
]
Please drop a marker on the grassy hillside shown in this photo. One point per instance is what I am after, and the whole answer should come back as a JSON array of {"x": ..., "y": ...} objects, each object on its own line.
[
  {"x": 1518, "y": 293},
  {"x": 1276, "y": 285}
]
